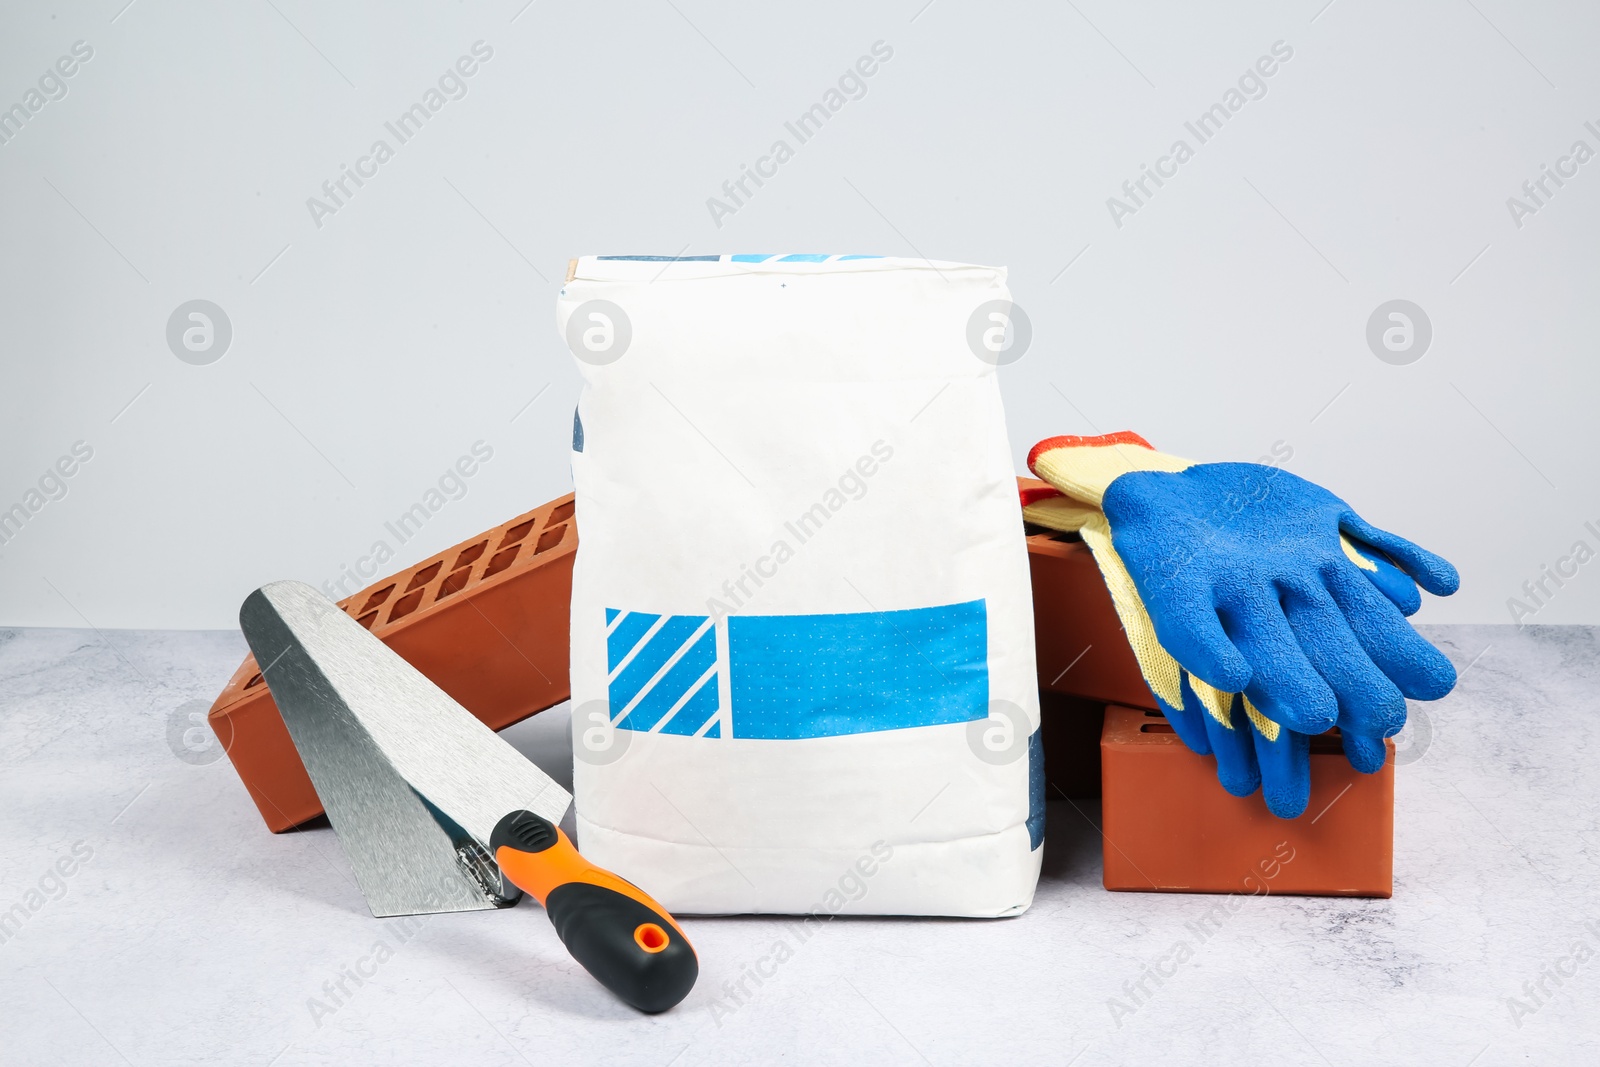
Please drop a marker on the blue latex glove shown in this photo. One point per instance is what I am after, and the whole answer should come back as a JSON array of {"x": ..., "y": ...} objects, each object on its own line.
[
  {"x": 1241, "y": 569},
  {"x": 1256, "y": 580}
]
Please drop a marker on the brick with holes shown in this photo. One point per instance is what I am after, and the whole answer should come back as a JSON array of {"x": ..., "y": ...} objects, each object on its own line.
[
  {"x": 1168, "y": 827},
  {"x": 486, "y": 620}
]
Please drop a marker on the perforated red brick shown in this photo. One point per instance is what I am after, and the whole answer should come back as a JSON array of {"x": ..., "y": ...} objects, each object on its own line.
[{"x": 492, "y": 631}]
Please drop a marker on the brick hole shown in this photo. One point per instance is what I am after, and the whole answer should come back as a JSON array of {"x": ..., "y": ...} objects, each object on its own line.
[
  {"x": 501, "y": 561},
  {"x": 454, "y": 582},
  {"x": 469, "y": 555},
  {"x": 1044, "y": 533},
  {"x": 1156, "y": 728},
  {"x": 1329, "y": 743},
  {"x": 377, "y": 598},
  {"x": 368, "y": 619},
  {"x": 561, "y": 514},
  {"x": 516, "y": 533},
  {"x": 255, "y": 680},
  {"x": 549, "y": 539},
  {"x": 424, "y": 576},
  {"x": 405, "y": 605}
]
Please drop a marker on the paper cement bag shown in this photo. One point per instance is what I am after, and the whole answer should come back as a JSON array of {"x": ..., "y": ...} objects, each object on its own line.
[{"x": 802, "y": 637}]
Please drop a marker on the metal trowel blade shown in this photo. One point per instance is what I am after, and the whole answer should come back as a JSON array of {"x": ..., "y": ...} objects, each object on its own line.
[{"x": 412, "y": 783}]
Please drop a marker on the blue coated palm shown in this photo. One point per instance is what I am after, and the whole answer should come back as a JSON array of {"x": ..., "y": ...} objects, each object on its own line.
[{"x": 1241, "y": 569}]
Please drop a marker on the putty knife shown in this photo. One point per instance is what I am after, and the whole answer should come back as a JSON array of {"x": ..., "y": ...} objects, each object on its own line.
[{"x": 436, "y": 812}]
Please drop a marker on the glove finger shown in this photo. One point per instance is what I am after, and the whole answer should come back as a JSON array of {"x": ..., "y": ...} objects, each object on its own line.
[
  {"x": 1196, "y": 638},
  {"x": 1284, "y": 757},
  {"x": 1368, "y": 700},
  {"x": 1366, "y": 754},
  {"x": 1390, "y": 580},
  {"x": 1283, "y": 684},
  {"x": 1186, "y": 723},
  {"x": 1419, "y": 670},
  {"x": 1229, "y": 733},
  {"x": 1433, "y": 573}
]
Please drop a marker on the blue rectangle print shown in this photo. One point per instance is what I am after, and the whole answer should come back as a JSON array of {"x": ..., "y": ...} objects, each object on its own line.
[{"x": 794, "y": 676}]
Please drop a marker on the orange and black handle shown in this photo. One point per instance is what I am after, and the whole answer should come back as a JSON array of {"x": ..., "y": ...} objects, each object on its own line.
[{"x": 622, "y": 937}]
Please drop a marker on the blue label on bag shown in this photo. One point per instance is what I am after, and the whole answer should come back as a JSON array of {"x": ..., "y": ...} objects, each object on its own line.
[{"x": 798, "y": 676}]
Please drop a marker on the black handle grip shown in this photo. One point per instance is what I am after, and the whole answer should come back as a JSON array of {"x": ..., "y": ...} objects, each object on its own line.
[
  {"x": 621, "y": 936},
  {"x": 628, "y": 947}
]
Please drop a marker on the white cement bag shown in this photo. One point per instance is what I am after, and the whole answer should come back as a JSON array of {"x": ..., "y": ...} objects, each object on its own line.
[{"x": 802, "y": 637}]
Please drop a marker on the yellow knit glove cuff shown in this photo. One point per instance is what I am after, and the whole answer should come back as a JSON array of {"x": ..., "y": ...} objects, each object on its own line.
[{"x": 1084, "y": 467}]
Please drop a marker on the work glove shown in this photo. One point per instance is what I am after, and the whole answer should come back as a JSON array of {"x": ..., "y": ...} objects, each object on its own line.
[
  {"x": 1261, "y": 608},
  {"x": 1251, "y": 751}
]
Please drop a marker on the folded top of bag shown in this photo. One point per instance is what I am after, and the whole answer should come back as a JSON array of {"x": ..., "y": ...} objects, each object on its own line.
[
  {"x": 646, "y": 267},
  {"x": 790, "y": 317}
]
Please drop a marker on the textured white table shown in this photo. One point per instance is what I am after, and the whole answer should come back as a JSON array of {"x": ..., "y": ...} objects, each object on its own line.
[{"x": 191, "y": 935}]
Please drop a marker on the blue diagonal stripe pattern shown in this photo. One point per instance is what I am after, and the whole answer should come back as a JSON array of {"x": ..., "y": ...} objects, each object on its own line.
[
  {"x": 682, "y": 678},
  {"x": 625, "y": 634},
  {"x": 662, "y": 671},
  {"x": 696, "y": 712},
  {"x": 650, "y": 656}
]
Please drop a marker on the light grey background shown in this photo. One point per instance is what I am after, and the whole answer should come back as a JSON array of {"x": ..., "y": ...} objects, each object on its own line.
[{"x": 368, "y": 354}]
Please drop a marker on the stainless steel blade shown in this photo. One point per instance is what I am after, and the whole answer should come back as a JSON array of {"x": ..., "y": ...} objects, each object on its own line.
[{"x": 411, "y": 781}]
